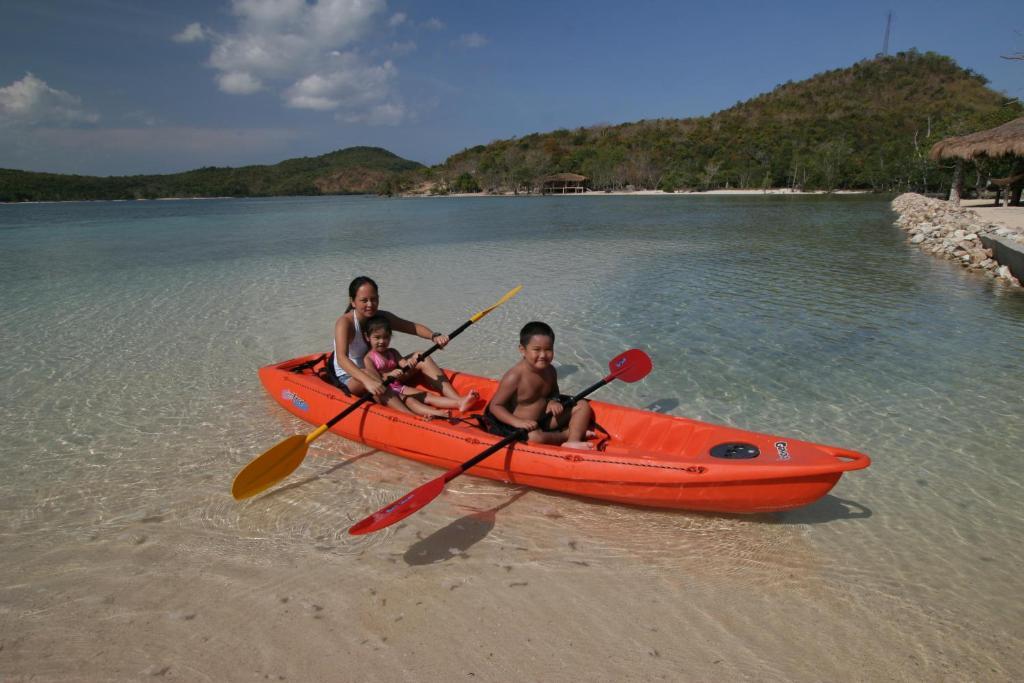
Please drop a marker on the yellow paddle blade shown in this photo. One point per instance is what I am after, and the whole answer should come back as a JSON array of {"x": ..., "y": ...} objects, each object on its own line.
[
  {"x": 511, "y": 293},
  {"x": 270, "y": 468}
]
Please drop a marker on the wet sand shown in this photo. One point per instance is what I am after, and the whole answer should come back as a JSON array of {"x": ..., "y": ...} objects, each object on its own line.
[
  {"x": 489, "y": 583},
  {"x": 447, "y": 600}
]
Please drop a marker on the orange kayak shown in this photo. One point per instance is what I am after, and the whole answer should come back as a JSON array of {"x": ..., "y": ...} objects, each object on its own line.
[{"x": 645, "y": 458}]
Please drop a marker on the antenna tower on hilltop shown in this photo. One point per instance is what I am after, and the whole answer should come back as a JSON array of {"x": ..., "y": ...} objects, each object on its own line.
[{"x": 885, "y": 41}]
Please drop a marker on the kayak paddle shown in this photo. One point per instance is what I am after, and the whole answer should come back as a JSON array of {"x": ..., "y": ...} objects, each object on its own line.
[
  {"x": 629, "y": 366},
  {"x": 281, "y": 460}
]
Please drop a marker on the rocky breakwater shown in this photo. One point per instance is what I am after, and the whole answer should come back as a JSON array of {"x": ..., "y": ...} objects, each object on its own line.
[{"x": 953, "y": 233}]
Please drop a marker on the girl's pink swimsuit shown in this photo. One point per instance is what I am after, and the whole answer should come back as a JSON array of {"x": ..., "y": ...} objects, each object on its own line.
[{"x": 386, "y": 363}]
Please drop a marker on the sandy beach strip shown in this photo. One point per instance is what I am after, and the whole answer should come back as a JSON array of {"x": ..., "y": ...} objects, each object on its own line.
[
  {"x": 1007, "y": 216},
  {"x": 649, "y": 193}
]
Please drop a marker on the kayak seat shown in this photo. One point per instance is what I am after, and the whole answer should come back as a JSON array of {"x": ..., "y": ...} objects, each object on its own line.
[
  {"x": 599, "y": 436},
  {"x": 325, "y": 371}
]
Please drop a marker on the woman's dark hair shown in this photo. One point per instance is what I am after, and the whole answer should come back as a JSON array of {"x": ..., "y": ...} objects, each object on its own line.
[
  {"x": 532, "y": 329},
  {"x": 354, "y": 286},
  {"x": 377, "y": 322}
]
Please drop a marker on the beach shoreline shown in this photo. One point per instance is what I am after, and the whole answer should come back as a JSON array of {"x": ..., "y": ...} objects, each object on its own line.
[
  {"x": 413, "y": 195},
  {"x": 962, "y": 233},
  {"x": 784, "y": 191}
]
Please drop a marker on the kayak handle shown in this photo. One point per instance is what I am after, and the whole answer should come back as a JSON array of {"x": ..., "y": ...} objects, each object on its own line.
[{"x": 851, "y": 460}]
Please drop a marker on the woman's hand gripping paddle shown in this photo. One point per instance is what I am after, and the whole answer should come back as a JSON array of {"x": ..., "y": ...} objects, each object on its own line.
[
  {"x": 629, "y": 366},
  {"x": 283, "y": 459}
]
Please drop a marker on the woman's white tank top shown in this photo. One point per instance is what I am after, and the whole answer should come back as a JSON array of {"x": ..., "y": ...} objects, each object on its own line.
[{"x": 357, "y": 349}]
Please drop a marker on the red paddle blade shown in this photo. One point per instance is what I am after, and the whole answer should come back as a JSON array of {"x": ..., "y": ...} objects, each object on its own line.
[
  {"x": 630, "y": 366},
  {"x": 400, "y": 509}
]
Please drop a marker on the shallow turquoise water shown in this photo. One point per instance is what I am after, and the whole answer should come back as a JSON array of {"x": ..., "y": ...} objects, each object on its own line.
[{"x": 131, "y": 334}]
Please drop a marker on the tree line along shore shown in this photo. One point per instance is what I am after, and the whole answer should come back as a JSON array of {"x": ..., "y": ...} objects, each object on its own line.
[{"x": 867, "y": 127}]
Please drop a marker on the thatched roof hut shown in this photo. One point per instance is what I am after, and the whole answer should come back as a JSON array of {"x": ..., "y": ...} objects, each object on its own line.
[
  {"x": 564, "y": 177},
  {"x": 994, "y": 142},
  {"x": 1004, "y": 140},
  {"x": 563, "y": 183}
]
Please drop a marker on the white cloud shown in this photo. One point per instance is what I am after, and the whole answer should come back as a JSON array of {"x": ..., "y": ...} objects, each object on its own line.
[
  {"x": 308, "y": 53},
  {"x": 238, "y": 83},
  {"x": 192, "y": 33},
  {"x": 472, "y": 40},
  {"x": 433, "y": 24},
  {"x": 352, "y": 84},
  {"x": 387, "y": 114},
  {"x": 32, "y": 102}
]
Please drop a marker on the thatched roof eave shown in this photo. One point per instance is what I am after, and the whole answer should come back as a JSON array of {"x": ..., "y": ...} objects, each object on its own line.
[
  {"x": 569, "y": 177},
  {"x": 1007, "y": 139}
]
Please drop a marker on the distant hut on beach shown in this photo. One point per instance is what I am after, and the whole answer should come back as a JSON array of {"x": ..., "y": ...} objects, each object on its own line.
[
  {"x": 1004, "y": 140},
  {"x": 563, "y": 183}
]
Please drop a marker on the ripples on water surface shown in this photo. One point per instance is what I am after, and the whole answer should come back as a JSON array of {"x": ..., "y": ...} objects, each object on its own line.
[{"x": 131, "y": 333}]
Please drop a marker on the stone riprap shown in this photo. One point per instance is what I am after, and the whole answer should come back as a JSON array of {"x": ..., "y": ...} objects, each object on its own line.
[{"x": 953, "y": 233}]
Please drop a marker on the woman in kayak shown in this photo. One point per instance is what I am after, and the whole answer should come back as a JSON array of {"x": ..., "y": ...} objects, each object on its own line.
[
  {"x": 390, "y": 366},
  {"x": 350, "y": 346}
]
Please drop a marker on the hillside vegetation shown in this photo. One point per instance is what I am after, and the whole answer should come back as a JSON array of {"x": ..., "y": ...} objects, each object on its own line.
[
  {"x": 869, "y": 126},
  {"x": 356, "y": 170}
]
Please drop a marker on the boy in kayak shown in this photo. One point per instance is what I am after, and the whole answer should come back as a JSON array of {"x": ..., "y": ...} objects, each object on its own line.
[
  {"x": 386, "y": 364},
  {"x": 530, "y": 389}
]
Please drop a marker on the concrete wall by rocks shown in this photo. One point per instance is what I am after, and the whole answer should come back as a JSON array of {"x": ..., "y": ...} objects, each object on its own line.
[{"x": 951, "y": 232}]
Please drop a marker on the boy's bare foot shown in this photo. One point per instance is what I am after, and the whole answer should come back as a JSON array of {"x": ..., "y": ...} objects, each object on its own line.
[
  {"x": 591, "y": 433},
  {"x": 579, "y": 445},
  {"x": 468, "y": 400}
]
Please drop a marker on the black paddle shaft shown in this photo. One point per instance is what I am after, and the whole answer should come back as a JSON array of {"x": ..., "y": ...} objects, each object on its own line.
[
  {"x": 459, "y": 330},
  {"x": 519, "y": 433}
]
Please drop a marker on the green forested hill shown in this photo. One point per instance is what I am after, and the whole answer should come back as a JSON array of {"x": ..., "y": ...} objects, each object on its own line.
[
  {"x": 869, "y": 126},
  {"x": 348, "y": 171}
]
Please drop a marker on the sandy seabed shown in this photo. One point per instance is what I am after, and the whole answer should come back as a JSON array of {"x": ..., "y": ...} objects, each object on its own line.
[
  {"x": 142, "y": 567},
  {"x": 489, "y": 583}
]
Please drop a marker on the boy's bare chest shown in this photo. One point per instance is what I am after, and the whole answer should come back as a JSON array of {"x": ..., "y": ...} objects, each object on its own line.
[{"x": 534, "y": 387}]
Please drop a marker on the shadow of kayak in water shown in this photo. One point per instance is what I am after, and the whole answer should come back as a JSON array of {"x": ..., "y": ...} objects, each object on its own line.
[
  {"x": 828, "y": 509},
  {"x": 662, "y": 405},
  {"x": 456, "y": 538}
]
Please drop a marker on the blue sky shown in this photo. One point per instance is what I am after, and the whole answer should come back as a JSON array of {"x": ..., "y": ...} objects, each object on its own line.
[{"x": 112, "y": 87}]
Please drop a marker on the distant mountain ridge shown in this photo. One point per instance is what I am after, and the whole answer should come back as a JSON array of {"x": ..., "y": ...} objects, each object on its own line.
[
  {"x": 868, "y": 126},
  {"x": 355, "y": 170}
]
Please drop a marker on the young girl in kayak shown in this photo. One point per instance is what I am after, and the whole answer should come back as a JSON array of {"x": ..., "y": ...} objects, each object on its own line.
[
  {"x": 530, "y": 389},
  {"x": 390, "y": 366},
  {"x": 350, "y": 346}
]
